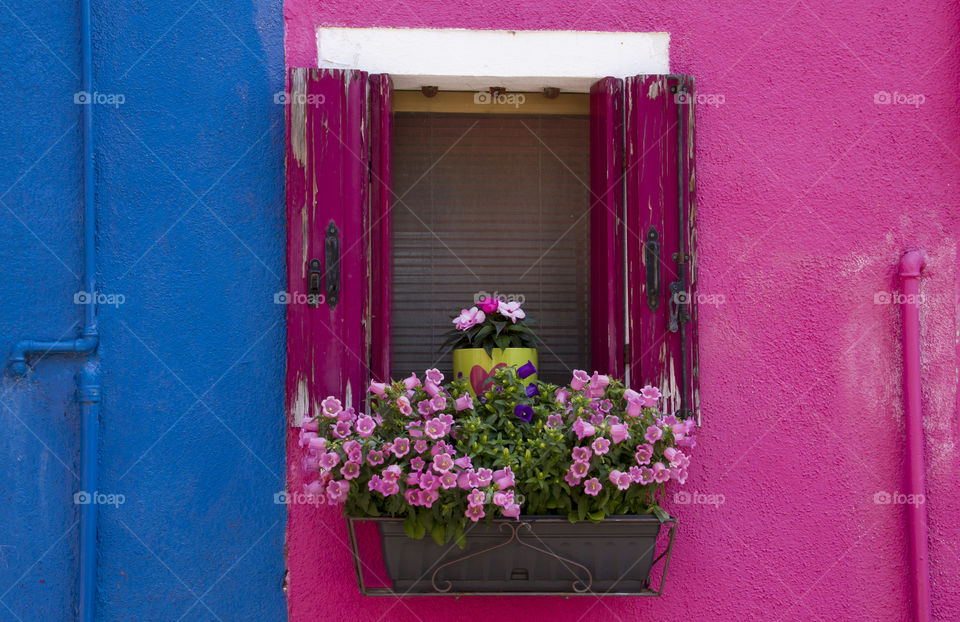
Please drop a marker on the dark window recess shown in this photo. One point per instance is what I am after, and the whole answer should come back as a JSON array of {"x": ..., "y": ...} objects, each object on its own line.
[{"x": 502, "y": 206}]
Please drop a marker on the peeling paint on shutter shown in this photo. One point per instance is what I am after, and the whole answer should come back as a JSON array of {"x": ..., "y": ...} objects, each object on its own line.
[
  {"x": 606, "y": 241},
  {"x": 327, "y": 179},
  {"x": 661, "y": 239}
]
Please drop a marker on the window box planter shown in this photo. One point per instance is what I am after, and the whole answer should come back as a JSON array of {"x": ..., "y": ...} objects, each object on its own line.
[{"x": 535, "y": 555}]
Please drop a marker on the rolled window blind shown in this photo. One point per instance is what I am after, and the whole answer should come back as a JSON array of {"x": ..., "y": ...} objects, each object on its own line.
[{"x": 494, "y": 204}]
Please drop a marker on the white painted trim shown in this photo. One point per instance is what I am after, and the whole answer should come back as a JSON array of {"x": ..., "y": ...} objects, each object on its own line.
[{"x": 468, "y": 60}]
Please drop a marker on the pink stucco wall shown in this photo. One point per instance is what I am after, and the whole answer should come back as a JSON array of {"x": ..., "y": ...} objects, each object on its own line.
[{"x": 808, "y": 193}]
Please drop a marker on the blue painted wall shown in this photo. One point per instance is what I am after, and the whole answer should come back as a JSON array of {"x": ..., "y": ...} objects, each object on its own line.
[{"x": 191, "y": 235}]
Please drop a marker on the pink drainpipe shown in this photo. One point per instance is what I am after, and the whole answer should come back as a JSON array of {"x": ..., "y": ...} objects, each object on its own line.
[{"x": 910, "y": 267}]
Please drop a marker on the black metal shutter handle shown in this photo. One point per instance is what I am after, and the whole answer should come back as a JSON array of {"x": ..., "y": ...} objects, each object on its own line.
[
  {"x": 651, "y": 258},
  {"x": 331, "y": 249},
  {"x": 313, "y": 283}
]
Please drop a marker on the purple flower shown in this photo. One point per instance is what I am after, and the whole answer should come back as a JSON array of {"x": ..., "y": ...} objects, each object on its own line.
[
  {"x": 592, "y": 487},
  {"x": 463, "y": 462},
  {"x": 561, "y": 396},
  {"x": 420, "y": 446},
  {"x": 554, "y": 421},
  {"x": 417, "y": 463},
  {"x": 571, "y": 479},
  {"x": 425, "y": 408},
  {"x": 532, "y": 390},
  {"x": 448, "y": 480},
  {"x": 620, "y": 479},
  {"x": 403, "y": 405},
  {"x": 412, "y": 382},
  {"x": 660, "y": 472},
  {"x": 432, "y": 388},
  {"x": 374, "y": 458},
  {"x": 646, "y": 475},
  {"x": 434, "y": 375},
  {"x": 484, "y": 477},
  {"x": 329, "y": 460},
  {"x": 439, "y": 403},
  {"x": 511, "y": 510},
  {"x": 634, "y": 408},
  {"x": 526, "y": 370},
  {"x": 524, "y": 412},
  {"x": 580, "y": 379},
  {"x": 651, "y": 394}
]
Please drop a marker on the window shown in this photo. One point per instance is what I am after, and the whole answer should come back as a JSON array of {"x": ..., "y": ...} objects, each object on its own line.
[
  {"x": 350, "y": 240},
  {"x": 493, "y": 203}
]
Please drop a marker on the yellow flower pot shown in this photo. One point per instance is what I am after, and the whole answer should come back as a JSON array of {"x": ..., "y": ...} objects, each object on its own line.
[{"x": 465, "y": 359}]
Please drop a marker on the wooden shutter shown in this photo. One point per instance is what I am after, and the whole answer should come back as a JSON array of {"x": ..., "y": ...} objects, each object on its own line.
[
  {"x": 327, "y": 193},
  {"x": 381, "y": 234},
  {"x": 606, "y": 241},
  {"x": 661, "y": 239}
]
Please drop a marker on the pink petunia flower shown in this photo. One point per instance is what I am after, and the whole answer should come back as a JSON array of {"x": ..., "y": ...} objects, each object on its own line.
[
  {"x": 583, "y": 429},
  {"x": 434, "y": 428},
  {"x": 448, "y": 480},
  {"x": 329, "y": 460},
  {"x": 331, "y": 406},
  {"x": 644, "y": 453},
  {"x": 425, "y": 408},
  {"x": 592, "y": 487},
  {"x": 411, "y": 382},
  {"x": 554, "y": 421},
  {"x": 464, "y": 402},
  {"x": 350, "y": 470},
  {"x": 561, "y": 396},
  {"x": 392, "y": 473},
  {"x": 476, "y": 497},
  {"x": 403, "y": 405},
  {"x": 579, "y": 469},
  {"x": 580, "y": 380},
  {"x": 365, "y": 426},
  {"x": 429, "y": 481},
  {"x": 337, "y": 492},
  {"x": 434, "y": 375},
  {"x": 601, "y": 446},
  {"x": 484, "y": 477},
  {"x": 420, "y": 446},
  {"x": 432, "y": 388},
  {"x": 653, "y": 434},
  {"x": 463, "y": 462},
  {"x": 646, "y": 475},
  {"x": 442, "y": 463},
  {"x": 378, "y": 388},
  {"x": 634, "y": 408},
  {"x": 417, "y": 463},
  {"x": 503, "y": 478},
  {"x": 582, "y": 454},
  {"x": 619, "y": 433},
  {"x": 660, "y": 472},
  {"x": 401, "y": 446},
  {"x": 341, "y": 430},
  {"x": 511, "y": 510},
  {"x": 571, "y": 479},
  {"x": 374, "y": 458},
  {"x": 439, "y": 403},
  {"x": 475, "y": 512},
  {"x": 489, "y": 304}
]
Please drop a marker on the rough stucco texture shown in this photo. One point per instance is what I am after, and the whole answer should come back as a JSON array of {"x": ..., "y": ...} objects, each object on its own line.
[
  {"x": 809, "y": 192},
  {"x": 197, "y": 342}
]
